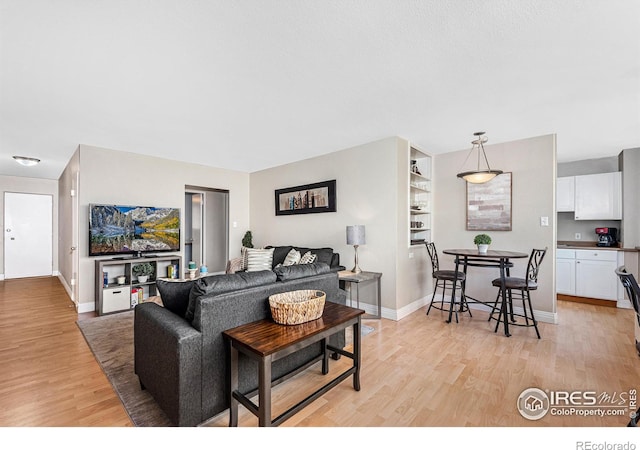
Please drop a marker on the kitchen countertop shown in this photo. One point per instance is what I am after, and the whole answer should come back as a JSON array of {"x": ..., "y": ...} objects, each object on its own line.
[{"x": 591, "y": 245}]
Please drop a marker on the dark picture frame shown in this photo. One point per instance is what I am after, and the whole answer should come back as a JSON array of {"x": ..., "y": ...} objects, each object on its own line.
[
  {"x": 489, "y": 204},
  {"x": 306, "y": 199}
]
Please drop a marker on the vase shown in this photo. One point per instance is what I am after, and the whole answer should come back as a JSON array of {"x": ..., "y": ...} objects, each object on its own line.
[
  {"x": 482, "y": 248},
  {"x": 143, "y": 278}
]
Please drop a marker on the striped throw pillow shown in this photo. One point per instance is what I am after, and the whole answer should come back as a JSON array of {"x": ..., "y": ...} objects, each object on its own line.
[
  {"x": 259, "y": 259},
  {"x": 307, "y": 258}
]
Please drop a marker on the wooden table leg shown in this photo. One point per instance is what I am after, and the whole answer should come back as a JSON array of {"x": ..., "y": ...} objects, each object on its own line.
[
  {"x": 233, "y": 408},
  {"x": 264, "y": 394}
]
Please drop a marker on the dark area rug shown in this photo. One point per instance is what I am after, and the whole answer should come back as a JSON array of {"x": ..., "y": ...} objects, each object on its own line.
[{"x": 111, "y": 341}]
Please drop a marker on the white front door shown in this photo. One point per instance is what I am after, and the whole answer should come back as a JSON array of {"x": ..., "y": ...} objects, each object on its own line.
[{"x": 28, "y": 235}]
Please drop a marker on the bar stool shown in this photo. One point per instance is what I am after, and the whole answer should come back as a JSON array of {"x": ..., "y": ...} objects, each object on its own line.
[
  {"x": 522, "y": 288},
  {"x": 441, "y": 277}
]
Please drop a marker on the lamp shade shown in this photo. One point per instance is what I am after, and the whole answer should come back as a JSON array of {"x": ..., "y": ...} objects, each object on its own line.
[{"x": 355, "y": 235}]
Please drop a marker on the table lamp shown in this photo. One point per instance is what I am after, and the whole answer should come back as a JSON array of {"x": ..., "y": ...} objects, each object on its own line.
[{"x": 355, "y": 237}]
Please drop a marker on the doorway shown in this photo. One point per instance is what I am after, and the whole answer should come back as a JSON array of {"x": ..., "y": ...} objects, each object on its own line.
[
  {"x": 207, "y": 227},
  {"x": 28, "y": 235}
]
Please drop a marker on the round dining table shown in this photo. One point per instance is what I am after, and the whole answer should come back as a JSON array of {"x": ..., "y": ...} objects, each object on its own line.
[{"x": 467, "y": 257}]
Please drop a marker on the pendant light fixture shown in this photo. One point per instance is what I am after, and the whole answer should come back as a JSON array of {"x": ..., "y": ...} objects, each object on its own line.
[{"x": 479, "y": 175}]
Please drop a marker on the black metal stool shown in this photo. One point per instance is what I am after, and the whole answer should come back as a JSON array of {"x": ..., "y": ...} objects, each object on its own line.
[
  {"x": 521, "y": 288},
  {"x": 440, "y": 278}
]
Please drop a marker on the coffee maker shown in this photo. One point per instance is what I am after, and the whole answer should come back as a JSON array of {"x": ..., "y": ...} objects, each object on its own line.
[{"x": 607, "y": 237}]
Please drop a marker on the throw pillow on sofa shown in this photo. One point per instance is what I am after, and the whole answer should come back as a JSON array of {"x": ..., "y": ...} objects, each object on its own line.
[
  {"x": 259, "y": 259},
  {"x": 175, "y": 295},
  {"x": 292, "y": 258},
  {"x": 324, "y": 255},
  {"x": 307, "y": 258}
]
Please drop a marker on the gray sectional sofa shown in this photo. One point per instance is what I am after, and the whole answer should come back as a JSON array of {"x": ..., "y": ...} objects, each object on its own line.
[{"x": 180, "y": 355}]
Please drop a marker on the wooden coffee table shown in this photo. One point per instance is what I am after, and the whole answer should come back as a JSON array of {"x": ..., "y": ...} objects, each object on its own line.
[{"x": 266, "y": 342}]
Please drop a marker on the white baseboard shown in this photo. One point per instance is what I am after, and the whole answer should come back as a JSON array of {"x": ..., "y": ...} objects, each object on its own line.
[
  {"x": 66, "y": 286},
  {"x": 85, "y": 307},
  {"x": 1, "y": 277},
  {"x": 541, "y": 316},
  {"x": 626, "y": 304}
]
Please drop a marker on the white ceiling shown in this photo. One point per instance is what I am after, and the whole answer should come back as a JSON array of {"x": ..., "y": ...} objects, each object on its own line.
[{"x": 253, "y": 84}]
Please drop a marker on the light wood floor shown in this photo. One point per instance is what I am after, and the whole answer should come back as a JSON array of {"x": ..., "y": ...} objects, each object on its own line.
[{"x": 416, "y": 372}]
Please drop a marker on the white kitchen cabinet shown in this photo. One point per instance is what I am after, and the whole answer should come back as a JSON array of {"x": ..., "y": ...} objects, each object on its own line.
[
  {"x": 565, "y": 194},
  {"x": 598, "y": 196},
  {"x": 587, "y": 273},
  {"x": 566, "y": 272},
  {"x": 595, "y": 274}
]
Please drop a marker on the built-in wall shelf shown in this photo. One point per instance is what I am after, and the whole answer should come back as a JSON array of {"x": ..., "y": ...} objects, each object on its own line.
[{"x": 419, "y": 190}]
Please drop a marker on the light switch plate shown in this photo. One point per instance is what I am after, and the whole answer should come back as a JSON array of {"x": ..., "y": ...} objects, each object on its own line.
[{"x": 544, "y": 221}]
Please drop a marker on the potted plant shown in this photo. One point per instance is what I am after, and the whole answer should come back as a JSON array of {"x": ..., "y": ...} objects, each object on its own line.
[
  {"x": 482, "y": 241},
  {"x": 247, "y": 240},
  {"x": 143, "y": 271}
]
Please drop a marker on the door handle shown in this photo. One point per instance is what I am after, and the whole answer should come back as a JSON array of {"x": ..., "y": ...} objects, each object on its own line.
[
  {"x": 73, "y": 249},
  {"x": 8, "y": 230}
]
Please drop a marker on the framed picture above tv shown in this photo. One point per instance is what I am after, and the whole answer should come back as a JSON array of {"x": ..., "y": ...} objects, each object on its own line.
[
  {"x": 306, "y": 199},
  {"x": 119, "y": 229}
]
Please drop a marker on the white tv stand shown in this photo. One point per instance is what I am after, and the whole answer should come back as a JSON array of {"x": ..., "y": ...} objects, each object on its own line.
[{"x": 114, "y": 297}]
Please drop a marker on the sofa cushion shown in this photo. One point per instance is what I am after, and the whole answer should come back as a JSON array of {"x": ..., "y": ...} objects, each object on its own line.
[
  {"x": 259, "y": 259},
  {"x": 175, "y": 294},
  {"x": 219, "y": 284},
  {"x": 323, "y": 255},
  {"x": 286, "y": 273}
]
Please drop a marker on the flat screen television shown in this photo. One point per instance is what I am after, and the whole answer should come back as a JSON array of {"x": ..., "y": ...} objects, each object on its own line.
[{"x": 122, "y": 230}]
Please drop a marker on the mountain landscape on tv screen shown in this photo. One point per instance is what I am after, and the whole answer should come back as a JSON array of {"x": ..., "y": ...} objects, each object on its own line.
[{"x": 125, "y": 229}]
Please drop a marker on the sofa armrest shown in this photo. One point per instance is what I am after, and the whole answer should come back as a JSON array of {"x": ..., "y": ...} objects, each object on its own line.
[{"x": 168, "y": 362}]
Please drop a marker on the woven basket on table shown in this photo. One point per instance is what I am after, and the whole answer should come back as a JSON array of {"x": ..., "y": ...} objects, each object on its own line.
[{"x": 295, "y": 307}]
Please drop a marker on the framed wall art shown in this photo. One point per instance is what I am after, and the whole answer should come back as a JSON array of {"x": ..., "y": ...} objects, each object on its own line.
[
  {"x": 489, "y": 204},
  {"x": 306, "y": 199}
]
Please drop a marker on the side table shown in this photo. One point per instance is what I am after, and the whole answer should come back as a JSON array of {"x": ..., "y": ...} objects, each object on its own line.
[{"x": 363, "y": 277}]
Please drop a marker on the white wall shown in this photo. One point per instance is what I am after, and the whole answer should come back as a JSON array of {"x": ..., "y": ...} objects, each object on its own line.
[
  {"x": 28, "y": 185},
  {"x": 367, "y": 193},
  {"x": 109, "y": 176},
  {"x": 532, "y": 163},
  {"x": 630, "y": 165},
  {"x": 67, "y": 182}
]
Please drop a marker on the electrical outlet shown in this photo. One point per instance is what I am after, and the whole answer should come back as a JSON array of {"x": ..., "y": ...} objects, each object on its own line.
[{"x": 577, "y": 236}]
